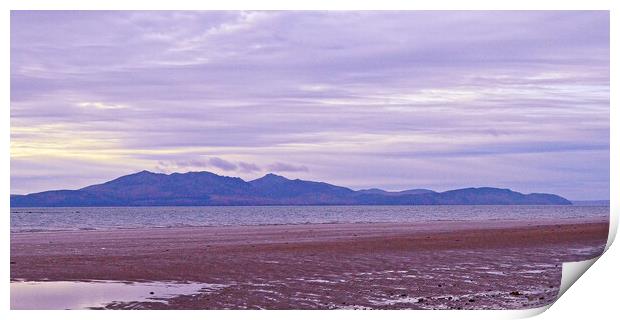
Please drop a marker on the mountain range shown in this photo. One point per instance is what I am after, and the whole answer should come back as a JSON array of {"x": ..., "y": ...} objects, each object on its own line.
[{"x": 206, "y": 189}]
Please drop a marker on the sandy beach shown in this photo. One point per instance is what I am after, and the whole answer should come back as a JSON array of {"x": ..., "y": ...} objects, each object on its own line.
[{"x": 434, "y": 265}]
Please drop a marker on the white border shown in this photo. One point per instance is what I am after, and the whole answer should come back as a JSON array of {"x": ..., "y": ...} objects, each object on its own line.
[{"x": 586, "y": 301}]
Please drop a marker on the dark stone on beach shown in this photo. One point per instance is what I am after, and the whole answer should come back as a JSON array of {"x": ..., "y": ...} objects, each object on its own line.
[
  {"x": 472, "y": 300},
  {"x": 516, "y": 293},
  {"x": 541, "y": 298},
  {"x": 439, "y": 285},
  {"x": 421, "y": 300},
  {"x": 403, "y": 295},
  {"x": 151, "y": 292},
  {"x": 12, "y": 262}
]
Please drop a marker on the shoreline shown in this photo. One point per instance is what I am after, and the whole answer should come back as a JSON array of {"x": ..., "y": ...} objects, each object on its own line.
[
  {"x": 486, "y": 222},
  {"x": 323, "y": 266}
]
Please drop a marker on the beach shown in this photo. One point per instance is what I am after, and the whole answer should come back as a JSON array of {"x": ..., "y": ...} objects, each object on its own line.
[{"x": 431, "y": 265}]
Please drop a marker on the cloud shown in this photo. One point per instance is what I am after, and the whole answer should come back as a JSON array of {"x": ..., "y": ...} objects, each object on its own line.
[
  {"x": 248, "y": 167},
  {"x": 212, "y": 162},
  {"x": 204, "y": 164},
  {"x": 99, "y": 105},
  {"x": 222, "y": 164},
  {"x": 357, "y": 93},
  {"x": 285, "y": 167}
]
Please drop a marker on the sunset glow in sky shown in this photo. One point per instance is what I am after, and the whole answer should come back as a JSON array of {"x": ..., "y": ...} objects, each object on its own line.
[{"x": 394, "y": 100}]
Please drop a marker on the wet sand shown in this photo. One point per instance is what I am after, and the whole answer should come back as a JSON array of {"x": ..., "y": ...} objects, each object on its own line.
[{"x": 436, "y": 265}]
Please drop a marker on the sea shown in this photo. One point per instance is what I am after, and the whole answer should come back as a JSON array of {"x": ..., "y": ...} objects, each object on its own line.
[{"x": 106, "y": 218}]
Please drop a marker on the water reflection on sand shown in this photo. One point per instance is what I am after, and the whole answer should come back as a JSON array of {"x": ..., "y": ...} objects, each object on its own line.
[{"x": 63, "y": 295}]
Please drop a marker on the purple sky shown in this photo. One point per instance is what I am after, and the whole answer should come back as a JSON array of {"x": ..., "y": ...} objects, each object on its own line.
[{"x": 395, "y": 100}]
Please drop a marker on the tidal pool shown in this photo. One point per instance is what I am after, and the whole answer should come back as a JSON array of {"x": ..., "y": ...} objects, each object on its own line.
[{"x": 69, "y": 295}]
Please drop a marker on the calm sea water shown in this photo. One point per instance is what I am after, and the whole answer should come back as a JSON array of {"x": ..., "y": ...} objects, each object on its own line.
[{"x": 86, "y": 218}]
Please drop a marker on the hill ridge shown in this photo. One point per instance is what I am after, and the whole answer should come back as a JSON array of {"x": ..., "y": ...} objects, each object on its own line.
[{"x": 204, "y": 188}]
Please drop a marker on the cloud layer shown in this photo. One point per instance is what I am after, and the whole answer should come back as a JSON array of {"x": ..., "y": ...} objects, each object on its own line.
[{"x": 362, "y": 99}]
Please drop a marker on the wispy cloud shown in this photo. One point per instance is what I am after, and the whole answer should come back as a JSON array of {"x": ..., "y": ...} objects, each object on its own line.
[
  {"x": 99, "y": 105},
  {"x": 205, "y": 163},
  {"x": 285, "y": 167},
  {"x": 246, "y": 167},
  {"x": 222, "y": 164}
]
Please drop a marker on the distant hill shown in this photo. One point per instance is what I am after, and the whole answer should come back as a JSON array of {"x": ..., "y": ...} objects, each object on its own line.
[
  {"x": 590, "y": 202},
  {"x": 411, "y": 191},
  {"x": 207, "y": 189}
]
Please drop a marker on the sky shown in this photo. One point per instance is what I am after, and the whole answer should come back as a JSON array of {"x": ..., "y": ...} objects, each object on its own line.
[{"x": 394, "y": 100}]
